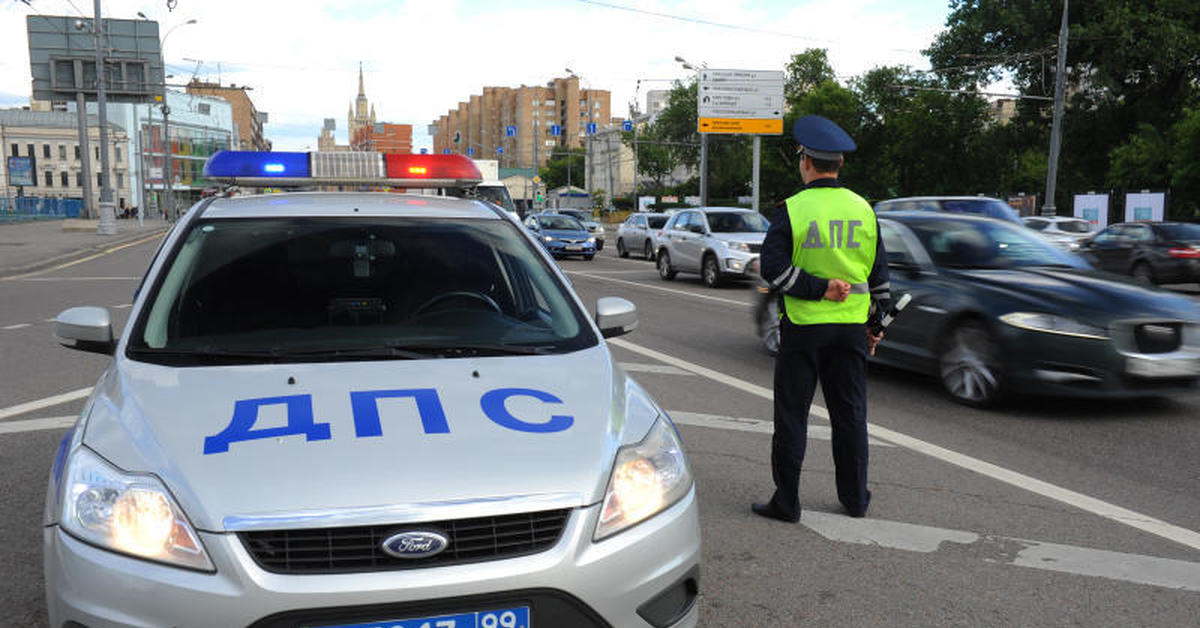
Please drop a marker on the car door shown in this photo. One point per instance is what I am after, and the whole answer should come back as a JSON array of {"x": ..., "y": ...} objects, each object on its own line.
[
  {"x": 1142, "y": 242},
  {"x": 697, "y": 231},
  {"x": 1109, "y": 250},
  {"x": 913, "y": 333},
  {"x": 678, "y": 237}
]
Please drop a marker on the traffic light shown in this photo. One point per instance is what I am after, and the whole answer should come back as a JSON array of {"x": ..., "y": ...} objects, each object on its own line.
[{"x": 457, "y": 137}]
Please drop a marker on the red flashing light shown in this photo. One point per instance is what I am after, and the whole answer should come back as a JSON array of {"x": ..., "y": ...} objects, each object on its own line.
[{"x": 439, "y": 167}]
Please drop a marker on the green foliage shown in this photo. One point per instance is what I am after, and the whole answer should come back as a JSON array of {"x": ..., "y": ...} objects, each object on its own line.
[
  {"x": 564, "y": 166},
  {"x": 804, "y": 72},
  {"x": 1185, "y": 165}
]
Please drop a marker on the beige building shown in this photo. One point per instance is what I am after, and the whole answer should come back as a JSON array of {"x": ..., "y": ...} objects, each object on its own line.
[
  {"x": 361, "y": 114},
  {"x": 247, "y": 119},
  {"x": 52, "y": 139},
  {"x": 478, "y": 125},
  {"x": 609, "y": 164}
]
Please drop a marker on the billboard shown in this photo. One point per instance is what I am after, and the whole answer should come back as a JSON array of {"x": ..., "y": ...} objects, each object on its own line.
[
  {"x": 62, "y": 58},
  {"x": 22, "y": 171},
  {"x": 1092, "y": 208},
  {"x": 1145, "y": 207}
]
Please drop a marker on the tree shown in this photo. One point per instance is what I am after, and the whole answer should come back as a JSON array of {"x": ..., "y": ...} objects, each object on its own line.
[
  {"x": 563, "y": 167},
  {"x": 805, "y": 72}
]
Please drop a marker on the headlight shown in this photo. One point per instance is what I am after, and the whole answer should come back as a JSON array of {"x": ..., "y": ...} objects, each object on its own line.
[
  {"x": 127, "y": 513},
  {"x": 647, "y": 478},
  {"x": 592, "y": 240},
  {"x": 738, "y": 246},
  {"x": 548, "y": 238},
  {"x": 599, "y": 228},
  {"x": 1054, "y": 324}
]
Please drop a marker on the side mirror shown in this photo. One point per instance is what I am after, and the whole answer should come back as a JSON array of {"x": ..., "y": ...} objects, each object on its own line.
[
  {"x": 696, "y": 229},
  {"x": 85, "y": 328},
  {"x": 615, "y": 316}
]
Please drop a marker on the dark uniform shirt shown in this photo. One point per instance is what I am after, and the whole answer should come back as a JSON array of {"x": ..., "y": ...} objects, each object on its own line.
[{"x": 778, "y": 271}]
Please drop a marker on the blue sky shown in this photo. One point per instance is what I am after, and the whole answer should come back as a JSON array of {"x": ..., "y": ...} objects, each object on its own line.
[{"x": 421, "y": 57}]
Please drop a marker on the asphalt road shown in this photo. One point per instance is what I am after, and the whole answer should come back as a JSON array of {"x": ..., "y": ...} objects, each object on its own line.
[{"x": 1048, "y": 512}]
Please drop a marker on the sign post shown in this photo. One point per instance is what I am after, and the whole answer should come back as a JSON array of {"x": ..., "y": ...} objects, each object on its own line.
[{"x": 740, "y": 102}]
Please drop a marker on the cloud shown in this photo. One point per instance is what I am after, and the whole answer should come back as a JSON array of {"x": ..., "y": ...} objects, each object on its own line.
[{"x": 421, "y": 58}]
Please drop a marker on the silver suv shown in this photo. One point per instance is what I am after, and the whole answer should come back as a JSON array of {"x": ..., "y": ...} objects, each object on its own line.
[
  {"x": 639, "y": 234},
  {"x": 718, "y": 243}
]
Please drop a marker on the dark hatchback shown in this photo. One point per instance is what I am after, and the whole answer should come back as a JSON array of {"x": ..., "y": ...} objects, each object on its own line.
[
  {"x": 996, "y": 309},
  {"x": 1152, "y": 252}
]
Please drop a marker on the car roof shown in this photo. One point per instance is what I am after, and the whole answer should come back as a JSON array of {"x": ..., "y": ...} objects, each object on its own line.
[
  {"x": 911, "y": 215},
  {"x": 356, "y": 204},
  {"x": 941, "y": 198}
]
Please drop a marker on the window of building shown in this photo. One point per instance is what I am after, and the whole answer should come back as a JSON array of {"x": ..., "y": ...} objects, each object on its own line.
[
  {"x": 596, "y": 104},
  {"x": 46, "y": 151},
  {"x": 120, "y": 180},
  {"x": 30, "y": 153},
  {"x": 64, "y": 179},
  {"x": 77, "y": 148},
  {"x": 49, "y": 178},
  {"x": 62, "y": 151},
  {"x": 203, "y": 108},
  {"x": 99, "y": 180},
  {"x": 78, "y": 179},
  {"x": 535, "y": 103},
  {"x": 97, "y": 151},
  {"x": 117, "y": 154},
  {"x": 15, "y": 150},
  {"x": 550, "y": 103}
]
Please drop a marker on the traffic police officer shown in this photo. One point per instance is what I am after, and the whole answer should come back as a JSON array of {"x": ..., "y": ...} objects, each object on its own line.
[{"x": 824, "y": 254}]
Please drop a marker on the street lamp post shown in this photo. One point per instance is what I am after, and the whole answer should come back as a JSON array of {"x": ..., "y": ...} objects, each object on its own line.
[
  {"x": 169, "y": 165},
  {"x": 703, "y": 136}
]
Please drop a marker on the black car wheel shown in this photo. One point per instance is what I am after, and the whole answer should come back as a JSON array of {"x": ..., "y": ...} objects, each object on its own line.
[
  {"x": 767, "y": 314},
  {"x": 621, "y": 248},
  {"x": 970, "y": 364},
  {"x": 664, "y": 266},
  {"x": 711, "y": 272},
  {"x": 599, "y": 245},
  {"x": 1143, "y": 273},
  {"x": 648, "y": 250}
]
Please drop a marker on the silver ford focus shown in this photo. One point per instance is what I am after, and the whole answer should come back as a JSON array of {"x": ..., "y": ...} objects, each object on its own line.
[{"x": 351, "y": 410}]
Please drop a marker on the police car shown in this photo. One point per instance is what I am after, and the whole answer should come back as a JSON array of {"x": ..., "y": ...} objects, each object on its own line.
[{"x": 349, "y": 409}]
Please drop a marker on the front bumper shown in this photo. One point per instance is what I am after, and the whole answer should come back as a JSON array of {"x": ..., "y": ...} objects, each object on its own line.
[
  {"x": 738, "y": 263},
  {"x": 578, "y": 581},
  {"x": 559, "y": 247}
]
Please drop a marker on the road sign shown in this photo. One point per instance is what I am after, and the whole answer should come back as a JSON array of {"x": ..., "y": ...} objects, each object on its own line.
[
  {"x": 740, "y": 101},
  {"x": 627, "y": 126},
  {"x": 510, "y": 131},
  {"x": 555, "y": 129},
  {"x": 537, "y": 179},
  {"x": 470, "y": 151},
  {"x": 424, "y": 151},
  {"x": 591, "y": 128},
  {"x": 445, "y": 151},
  {"x": 499, "y": 150}
]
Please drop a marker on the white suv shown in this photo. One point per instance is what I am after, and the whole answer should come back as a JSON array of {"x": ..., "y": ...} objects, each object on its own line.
[{"x": 718, "y": 243}]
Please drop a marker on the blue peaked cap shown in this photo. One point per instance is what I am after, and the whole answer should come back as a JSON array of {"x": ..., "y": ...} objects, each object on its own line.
[{"x": 819, "y": 137}]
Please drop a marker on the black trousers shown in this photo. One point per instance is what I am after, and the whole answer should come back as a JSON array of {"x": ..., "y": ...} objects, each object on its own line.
[{"x": 836, "y": 355}]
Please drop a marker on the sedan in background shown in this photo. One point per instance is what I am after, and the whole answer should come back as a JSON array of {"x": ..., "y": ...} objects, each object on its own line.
[
  {"x": 1065, "y": 232},
  {"x": 718, "y": 243},
  {"x": 996, "y": 310},
  {"x": 589, "y": 221},
  {"x": 639, "y": 233},
  {"x": 1152, "y": 252},
  {"x": 973, "y": 205},
  {"x": 562, "y": 235}
]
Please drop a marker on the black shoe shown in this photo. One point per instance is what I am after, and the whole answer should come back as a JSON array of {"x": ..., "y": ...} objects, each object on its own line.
[
  {"x": 769, "y": 511},
  {"x": 857, "y": 514}
]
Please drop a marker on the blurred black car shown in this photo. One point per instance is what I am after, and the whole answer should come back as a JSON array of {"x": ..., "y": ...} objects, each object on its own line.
[
  {"x": 973, "y": 205},
  {"x": 1152, "y": 252},
  {"x": 997, "y": 310}
]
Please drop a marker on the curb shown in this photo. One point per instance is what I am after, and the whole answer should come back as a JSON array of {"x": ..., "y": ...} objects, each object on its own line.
[{"x": 42, "y": 264}]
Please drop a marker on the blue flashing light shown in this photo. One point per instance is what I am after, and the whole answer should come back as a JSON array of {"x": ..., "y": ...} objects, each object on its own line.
[{"x": 250, "y": 164}]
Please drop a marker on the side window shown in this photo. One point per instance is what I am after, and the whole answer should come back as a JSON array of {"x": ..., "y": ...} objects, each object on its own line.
[
  {"x": 1036, "y": 224},
  {"x": 639, "y": 222},
  {"x": 1110, "y": 235},
  {"x": 1141, "y": 234},
  {"x": 898, "y": 251}
]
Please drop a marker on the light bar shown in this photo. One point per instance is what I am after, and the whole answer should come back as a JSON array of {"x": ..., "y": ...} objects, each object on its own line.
[{"x": 270, "y": 169}]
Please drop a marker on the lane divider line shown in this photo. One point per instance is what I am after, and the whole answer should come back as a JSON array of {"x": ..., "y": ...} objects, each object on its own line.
[
  {"x": 45, "y": 402},
  {"x": 738, "y": 424},
  {"x": 18, "y": 326},
  {"x": 660, "y": 289},
  {"x": 89, "y": 258},
  {"x": 37, "y": 425},
  {"x": 1145, "y": 523}
]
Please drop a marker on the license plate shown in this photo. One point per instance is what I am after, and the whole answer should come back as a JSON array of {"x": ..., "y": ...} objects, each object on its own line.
[
  {"x": 574, "y": 247},
  {"x": 1167, "y": 367},
  {"x": 497, "y": 618}
]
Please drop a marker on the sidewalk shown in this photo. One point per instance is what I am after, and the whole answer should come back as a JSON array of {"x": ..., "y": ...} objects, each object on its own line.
[{"x": 30, "y": 246}]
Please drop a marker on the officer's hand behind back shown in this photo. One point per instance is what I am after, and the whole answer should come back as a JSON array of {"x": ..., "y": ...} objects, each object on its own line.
[{"x": 838, "y": 290}]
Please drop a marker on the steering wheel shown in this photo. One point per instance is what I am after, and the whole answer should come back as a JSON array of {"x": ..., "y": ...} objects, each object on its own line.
[{"x": 464, "y": 295}]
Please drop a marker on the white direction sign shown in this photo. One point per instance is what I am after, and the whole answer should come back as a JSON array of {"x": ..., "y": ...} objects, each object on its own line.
[{"x": 740, "y": 94}]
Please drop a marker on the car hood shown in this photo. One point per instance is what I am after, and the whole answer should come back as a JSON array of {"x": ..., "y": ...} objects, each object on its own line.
[
  {"x": 566, "y": 233},
  {"x": 754, "y": 237},
  {"x": 1086, "y": 294},
  {"x": 180, "y": 424}
]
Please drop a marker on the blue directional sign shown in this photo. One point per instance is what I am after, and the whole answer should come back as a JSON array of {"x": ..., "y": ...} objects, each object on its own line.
[
  {"x": 424, "y": 151},
  {"x": 445, "y": 151},
  {"x": 627, "y": 126},
  {"x": 470, "y": 151},
  {"x": 591, "y": 128},
  {"x": 555, "y": 130},
  {"x": 499, "y": 150},
  {"x": 510, "y": 131}
]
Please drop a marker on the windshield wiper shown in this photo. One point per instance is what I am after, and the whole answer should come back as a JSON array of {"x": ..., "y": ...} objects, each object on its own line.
[
  {"x": 480, "y": 349},
  {"x": 382, "y": 350},
  {"x": 205, "y": 352}
]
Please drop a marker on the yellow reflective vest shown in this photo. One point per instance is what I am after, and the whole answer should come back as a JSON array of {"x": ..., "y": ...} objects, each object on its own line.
[{"x": 834, "y": 235}]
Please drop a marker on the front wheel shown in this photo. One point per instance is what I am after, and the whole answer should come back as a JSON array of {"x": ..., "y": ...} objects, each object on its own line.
[
  {"x": 588, "y": 258},
  {"x": 648, "y": 250},
  {"x": 711, "y": 272},
  {"x": 664, "y": 266},
  {"x": 621, "y": 252},
  {"x": 969, "y": 365}
]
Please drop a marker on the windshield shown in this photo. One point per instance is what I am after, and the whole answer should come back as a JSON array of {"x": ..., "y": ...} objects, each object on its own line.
[
  {"x": 331, "y": 288},
  {"x": 985, "y": 244},
  {"x": 1182, "y": 232},
  {"x": 657, "y": 222},
  {"x": 1074, "y": 226},
  {"x": 496, "y": 194},
  {"x": 737, "y": 222},
  {"x": 562, "y": 223},
  {"x": 989, "y": 207}
]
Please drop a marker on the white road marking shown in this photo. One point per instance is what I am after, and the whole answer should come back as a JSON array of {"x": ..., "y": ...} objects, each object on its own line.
[
  {"x": 18, "y": 326},
  {"x": 46, "y": 402},
  {"x": 81, "y": 279},
  {"x": 715, "y": 421},
  {"x": 89, "y": 258},
  {"x": 661, "y": 289},
  {"x": 662, "y": 369},
  {"x": 50, "y": 320},
  {"x": 609, "y": 272},
  {"x": 1168, "y": 531},
  {"x": 1149, "y": 570},
  {"x": 36, "y": 425},
  {"x": 122, "y": 306}
]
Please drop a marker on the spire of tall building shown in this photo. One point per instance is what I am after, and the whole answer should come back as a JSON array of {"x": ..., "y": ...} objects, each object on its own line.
[{"x": 361, "y": 93}]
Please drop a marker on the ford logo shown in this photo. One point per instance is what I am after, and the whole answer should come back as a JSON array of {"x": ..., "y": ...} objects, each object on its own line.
[{"x": 415, "y": 544}]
